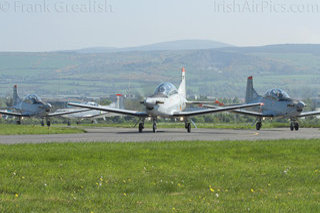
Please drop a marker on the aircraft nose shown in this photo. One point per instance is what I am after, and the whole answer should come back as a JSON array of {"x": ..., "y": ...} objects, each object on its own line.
[
  {"x": 300, "y": 106},
  {"x": 48, "y": 107},
  {"x": 150, "y": 103}
]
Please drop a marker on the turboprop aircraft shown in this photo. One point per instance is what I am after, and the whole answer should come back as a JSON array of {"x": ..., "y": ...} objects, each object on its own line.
[
  {"x": 275, "y": 103},
  {"x": 168, "y": 102},
  {"x": 93, "y": 115},
  {"x": 32, "y": 106}
]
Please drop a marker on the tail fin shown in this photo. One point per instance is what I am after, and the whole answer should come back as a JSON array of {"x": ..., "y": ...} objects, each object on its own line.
[
  {"x": 251, "y": 93},
  {"x": 182, "y": 87},
  {"x": 16, "y": 98},
  {"x": 119, "y": 103}
]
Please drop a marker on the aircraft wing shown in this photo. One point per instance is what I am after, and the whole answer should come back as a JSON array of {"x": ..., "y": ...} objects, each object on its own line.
[
  {"x": 202, "y": 102},
  {"x": 244, "y": 112},
  {"x": 67, "y": 112},
  {"x": 220, "y": 109},
  {"x": 109, "y": 109},
  {"x": 306, "y": 114},
  {"x": 17, "y": 114}
]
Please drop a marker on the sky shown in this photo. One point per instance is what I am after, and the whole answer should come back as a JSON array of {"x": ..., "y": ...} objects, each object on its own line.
[{"x": 48, "y": 25}]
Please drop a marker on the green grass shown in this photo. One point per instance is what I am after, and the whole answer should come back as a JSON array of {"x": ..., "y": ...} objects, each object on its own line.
[
  {"x": 12, "y": 129},
  {"x": 261, "y": 176}
]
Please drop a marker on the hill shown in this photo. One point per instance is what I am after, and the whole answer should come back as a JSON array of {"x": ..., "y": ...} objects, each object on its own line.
[
  {"x": 170, "y": 45},
  {"x": 220, "y": 72}
]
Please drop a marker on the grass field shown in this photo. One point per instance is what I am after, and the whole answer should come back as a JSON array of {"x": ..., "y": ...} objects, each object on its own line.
[
  {"x": 268, "y": 176},
  {"x": 12, "y": 129}
]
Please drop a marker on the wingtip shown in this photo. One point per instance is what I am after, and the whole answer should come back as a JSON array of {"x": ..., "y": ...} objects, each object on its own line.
[
  {"x": 183, "y": 69},
  {"x": 250, "y": 78}
]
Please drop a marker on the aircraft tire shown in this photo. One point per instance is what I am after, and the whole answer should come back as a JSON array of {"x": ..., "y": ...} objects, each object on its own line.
[
  {"x": 189, "y": 127},
  {"x": 291, "y": 127},
  {"x": 258, "y": 126},
  {"x": 154, "y": 128},
  {"x": 140, "y": 127},
  {"x": 48, "y": 123},
  {"x": 42, "y": 123},
  {"x": 296, "y": 126},
  {"x": 69, "y": 123},
  {"x": 18, "y": 122}
]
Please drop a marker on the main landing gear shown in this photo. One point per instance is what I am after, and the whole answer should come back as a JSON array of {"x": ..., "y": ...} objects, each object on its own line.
[
  {"x": 294, "y": 126},
  {"x": 187, "y": 125},
  {"x": 258, "y": 125},
  {"x": 47, "y": 122},
  {"x": 141, "y": 125}
]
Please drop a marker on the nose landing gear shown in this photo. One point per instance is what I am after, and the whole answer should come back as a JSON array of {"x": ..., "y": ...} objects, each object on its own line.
[
  {"x": 294, "y": 126},
  {"x": 154, "y": 126}
]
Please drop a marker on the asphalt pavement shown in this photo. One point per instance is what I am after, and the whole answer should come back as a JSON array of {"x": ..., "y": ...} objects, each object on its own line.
[{"x": 131, "y": 135}]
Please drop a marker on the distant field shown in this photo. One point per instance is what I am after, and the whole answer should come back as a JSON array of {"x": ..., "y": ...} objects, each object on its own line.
[
  {"x": 268, "y": 176},
  {"x": 12, "y": 129}
]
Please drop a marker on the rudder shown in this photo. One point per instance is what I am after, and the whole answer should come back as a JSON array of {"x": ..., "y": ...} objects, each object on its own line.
[{"x": 251, "y": 93}]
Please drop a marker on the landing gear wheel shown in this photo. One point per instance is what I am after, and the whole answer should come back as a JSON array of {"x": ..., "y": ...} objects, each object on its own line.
[
  {"x": 18, "y": 122},
  {"x": 69, "y": 124},
  {"x": 291, "y": 126},
  {"x": 42, "y": 123},
  {"x": 48, "y": 123},
  {"x": 141, "y": 127},
  {"x": 189, "y": 127},
  {"x": 78, "y": 122},
  {"x": 154, "y": 128},
  {"x": 258, "y": 126},
  {"x": 296, "y": 126}
]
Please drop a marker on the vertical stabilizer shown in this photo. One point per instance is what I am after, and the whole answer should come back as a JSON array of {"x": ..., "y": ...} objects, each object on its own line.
[
  {"x": 119, "y": 103},
  {"x": 251, "y": 94},
  {"x": 16, "y": 98},
  {"x": 182, "y": 87}
]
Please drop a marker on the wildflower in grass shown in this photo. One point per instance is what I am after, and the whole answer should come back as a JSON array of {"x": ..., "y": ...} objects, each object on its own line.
[
  {"x": 45, "y": 185},
  {"x": 179, "y": 185},
  {"x": 252, "y": 190},
  {"x": 211, "y": 189},
  {"x": 217, "y": 195},
  {"x": 22, "y": 177},
  {"x": 173, "y": 209},
  {"x": 16, "y": 195}
]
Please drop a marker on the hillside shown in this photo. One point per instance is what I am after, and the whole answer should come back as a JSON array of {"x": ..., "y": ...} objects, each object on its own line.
[{"x": 218, "y": 72}]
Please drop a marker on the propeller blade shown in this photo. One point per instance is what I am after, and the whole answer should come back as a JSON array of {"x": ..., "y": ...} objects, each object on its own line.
[{"x": 194, "y": 124}]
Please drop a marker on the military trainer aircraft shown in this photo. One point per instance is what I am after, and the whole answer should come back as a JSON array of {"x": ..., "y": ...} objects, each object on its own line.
[
  {"x": 168, "y": 102},
  {"x": 275, "y": 103},
  {"x": 32, "y": 106}
]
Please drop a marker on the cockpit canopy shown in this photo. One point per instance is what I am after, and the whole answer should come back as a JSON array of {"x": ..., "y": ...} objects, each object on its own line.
[
  {"x": 92, "y": 103},
  {"x": 278, "y": 94},
  {"x": 165, "y": 89},
  {"x": 32, "y": 99}
]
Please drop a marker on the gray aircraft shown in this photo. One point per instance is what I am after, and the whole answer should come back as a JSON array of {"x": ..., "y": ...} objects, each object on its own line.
[
  {"x": 168, "y": 102},
  {"x": 92, "y": 115},
  {"x": 32, "y": 106},
  {"x": 275, "y": 103}
]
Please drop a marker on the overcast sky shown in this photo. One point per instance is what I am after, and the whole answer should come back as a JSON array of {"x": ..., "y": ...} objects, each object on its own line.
[{"x": 39, "y": 25}]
